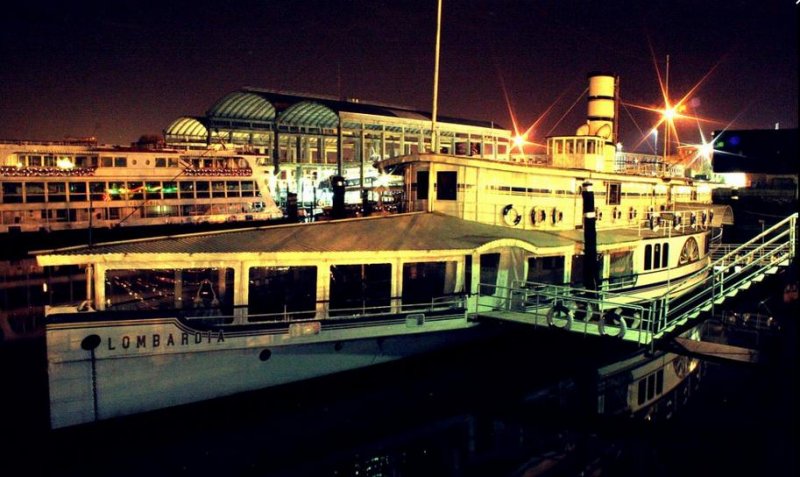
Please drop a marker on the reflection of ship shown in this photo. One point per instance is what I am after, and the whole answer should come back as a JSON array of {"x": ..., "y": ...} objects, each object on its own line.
[
  {"x": 23, "y": 296},
  {"x": 650, "y": 386},
  {"x": 298, "y": 301},
  {"x": 74, "y": 185}
]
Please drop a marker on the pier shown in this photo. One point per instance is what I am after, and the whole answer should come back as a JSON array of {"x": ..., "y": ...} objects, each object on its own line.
[{"x": 733, "y": 268}]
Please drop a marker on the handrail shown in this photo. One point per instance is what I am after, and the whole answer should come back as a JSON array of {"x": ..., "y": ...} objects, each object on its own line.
[{"x": 684, "y": 300}]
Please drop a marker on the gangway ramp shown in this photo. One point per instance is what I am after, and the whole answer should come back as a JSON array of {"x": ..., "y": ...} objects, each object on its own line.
[{"x": 645, "y": 321}]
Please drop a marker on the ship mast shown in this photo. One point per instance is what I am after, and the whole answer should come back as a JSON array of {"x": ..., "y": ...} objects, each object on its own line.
[{"x": 434, "y": 135}]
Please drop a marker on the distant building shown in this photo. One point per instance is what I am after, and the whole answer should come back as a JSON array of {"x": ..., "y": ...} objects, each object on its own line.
[{"x": 757, "y": 163}]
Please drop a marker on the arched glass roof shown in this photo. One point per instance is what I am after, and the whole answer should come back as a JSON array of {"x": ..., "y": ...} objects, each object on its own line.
[
  {"x": 187, "y": 127},
  {"x": 244, "y": 106},
  {"x": 309, "y": 113}
]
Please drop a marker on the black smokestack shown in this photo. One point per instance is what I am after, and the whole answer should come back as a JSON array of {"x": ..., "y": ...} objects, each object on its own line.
[{"x": 590, "y": 269}]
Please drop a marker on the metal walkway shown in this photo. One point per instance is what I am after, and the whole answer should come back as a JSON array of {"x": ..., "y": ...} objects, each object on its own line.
[{"x": 732, "y": 268}]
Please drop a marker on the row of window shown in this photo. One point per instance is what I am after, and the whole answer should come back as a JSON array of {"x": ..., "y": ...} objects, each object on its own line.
[
  {"x": 38, "y": 192},
  {"x": 101, "y": 212}
]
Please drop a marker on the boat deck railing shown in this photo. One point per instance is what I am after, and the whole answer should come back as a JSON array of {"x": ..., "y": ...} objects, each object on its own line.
[
  {"x": 437, "y": 305},
  {"x": 731, "y": 269}
]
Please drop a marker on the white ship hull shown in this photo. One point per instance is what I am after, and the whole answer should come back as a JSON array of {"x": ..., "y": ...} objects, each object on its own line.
[{"x": 151, "y": 364}]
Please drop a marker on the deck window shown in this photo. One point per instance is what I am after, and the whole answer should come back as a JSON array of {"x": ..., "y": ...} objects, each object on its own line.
[
  {"x": 490, "y": 267},
  {"x": 360, "y": 288},
  {"x": 621, "y": 267},
  {"x": 56, "y": 192},
  {"x": 201, "y": 189},
  {"x": 199, "y": 292},
  {"x": 423, "y": 282},
  {"x": 648, "y": 257},
  {"x": 278, "y": 293},
  {"x": 446, "y": 185},
  {"x": 34, "y": 192},
  {"x": 187, "y": 189},
  {"x": 613, "y": 194},
  {"x": 546, "y": 270},
  {"x": 77, "y": 191},
  {"x": 422, "y": 185},
  {"x": 12, "y": 193}
]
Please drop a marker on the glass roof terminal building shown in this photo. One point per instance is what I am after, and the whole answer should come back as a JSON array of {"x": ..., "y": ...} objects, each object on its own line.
[{"x": 309, "y": 138}]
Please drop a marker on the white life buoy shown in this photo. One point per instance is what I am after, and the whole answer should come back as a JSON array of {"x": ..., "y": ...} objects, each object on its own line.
[
  {"x": 613, "y": 317},
  {"x": 562, "y": 312},
  {"x": 558, "y": 216},
  {"x": 511, "y": 216}
]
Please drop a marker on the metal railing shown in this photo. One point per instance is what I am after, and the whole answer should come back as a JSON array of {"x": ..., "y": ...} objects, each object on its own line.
[{"x": 732, "y": 268}]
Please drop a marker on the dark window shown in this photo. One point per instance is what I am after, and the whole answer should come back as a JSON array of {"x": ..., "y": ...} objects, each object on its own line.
[
  {"x": 12, "y": 192},
  {"x": 275, "y": 290},
  {"x": 613, "y": 194},
  {"x": 77, "y": 191},
  {"x": 665, "y": 255},
  {"x": 422, "y": 185},
  {"x": 657, "y": 256},
  {"x": 490, "y": 266},
  {"x": 446, "y": 185},
  {"x": 546, "y": 270},
  {"x": 356, "y": 287},
  {"x": 648, "y": 257},
  {"x": 423, "y": 281},
  {"x": 641, "y": 396}
]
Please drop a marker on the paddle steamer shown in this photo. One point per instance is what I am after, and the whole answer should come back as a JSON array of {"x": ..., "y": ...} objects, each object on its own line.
[{"x": 172, "y": 320}]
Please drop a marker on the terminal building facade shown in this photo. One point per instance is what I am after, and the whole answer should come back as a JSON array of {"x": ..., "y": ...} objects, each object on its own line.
[{"x": 307, "y": 139}]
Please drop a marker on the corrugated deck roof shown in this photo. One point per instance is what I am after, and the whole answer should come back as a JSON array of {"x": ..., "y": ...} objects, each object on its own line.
[{"x": 402, "y": 232}]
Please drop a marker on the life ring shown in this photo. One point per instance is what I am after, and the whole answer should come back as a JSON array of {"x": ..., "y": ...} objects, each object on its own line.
[
  {"x": 562, "y": 312},
  {"x": 614, "y": 214},
  {"x": 693, "y": 220},
  {"x": 511, "y": 216},
  {"x": 613, "y": 317},
  {"x": 654, "y": 222},
  {"x": 538, "y": 216},
  {"x": 710, "y": 216},
  {"x": 584, "y": 311},
  {"x": 558, "y": 216},
  {"x": 632, "y": 213},
  {"x": 704, "y": 218},
  {"x": 598, "y": 213},
  {"x": 677, "y": 220},
  {"x": 650, "y": 213}
]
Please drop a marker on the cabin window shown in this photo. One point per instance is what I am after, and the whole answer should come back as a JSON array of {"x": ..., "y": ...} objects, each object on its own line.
[
  {"x": 115, "y": 190},
  {"x": 202, "y": 190},
  {"x": 621, "y": 267},
  {"x": 197, "y": 291},
  {"x": 248, "y": 189},
  {"x": 657, "y": 255},
  {"x": 490, "y": 268},
  {"x": 422, "y": 185},
  {"x": 423, "y": 282},
  {"x": 360, "y": 288},
  {"x": 97, "y": 191},
  {"x": 613, "y": 193},
  {"x": 591, "y": 147},
  {"x": 56, "y": 192},
  {"x": 665, "y": 255},
  {"x": 161, "y": 162},
  {"x": 218, "y": 188},
  {"x": 120, "y": 162},
  {"x": 12, "y": 192},
  {"x": 546, "y": 270},
  {"x": 77, "y": 191},
  {"x": 648, "y": 257},
  {"x": 278, "y": 293},
  {"x": 107, "y": 161},
  {"x": 570, "y": 146},
  {"x": 152, "y": 190},
  {"x": 468, "y": 274},
  {"x": 34, "y": 192},
  {"x": 186, "y": 189},
  {"x": 232, "y": 188},
  {"x": 170, "y": 190},
  {"x": 446, "y": 185},
  {"x": 135, "y": 190}
]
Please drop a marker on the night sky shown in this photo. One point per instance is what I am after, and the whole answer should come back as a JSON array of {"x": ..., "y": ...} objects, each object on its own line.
[{"x": 126, "y": 68}]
